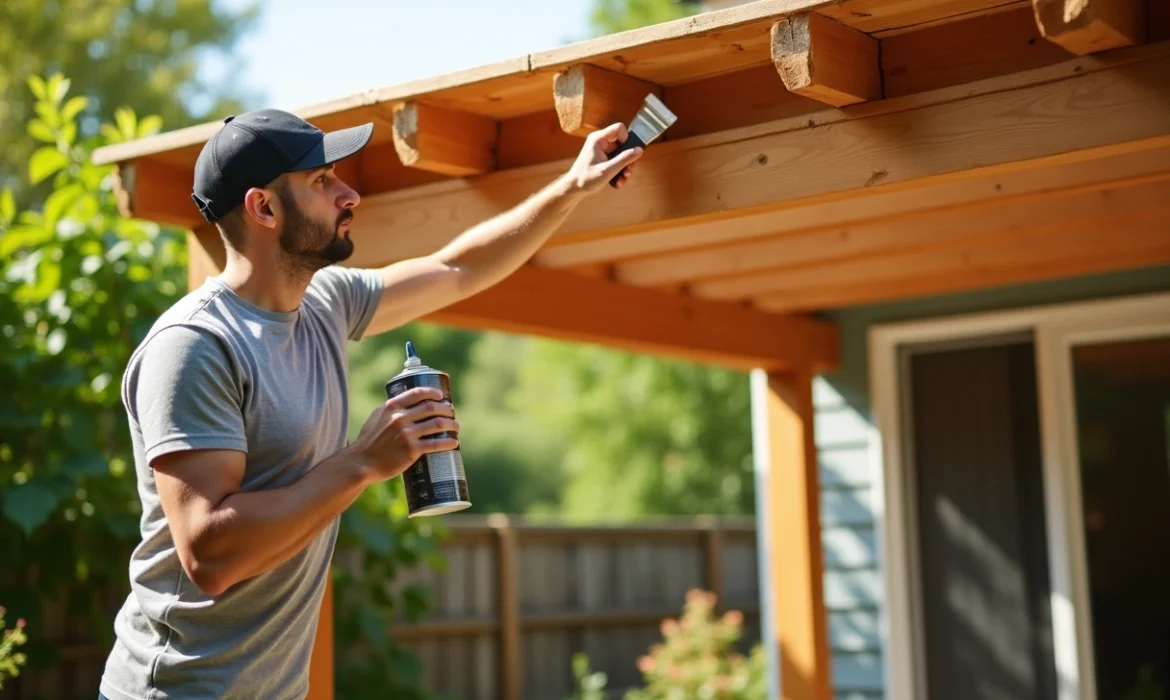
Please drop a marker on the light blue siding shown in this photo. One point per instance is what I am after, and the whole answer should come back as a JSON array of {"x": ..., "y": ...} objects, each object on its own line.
[{"x": 852, "y": 582}]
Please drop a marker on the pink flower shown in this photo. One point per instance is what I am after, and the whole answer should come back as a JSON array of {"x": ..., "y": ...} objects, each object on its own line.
[
  {"x": 669, "y": 627},
  {"x": 20, "y": 622},
  {"x": 733, "y": 617},
  {"x": 646, "y": 664}
]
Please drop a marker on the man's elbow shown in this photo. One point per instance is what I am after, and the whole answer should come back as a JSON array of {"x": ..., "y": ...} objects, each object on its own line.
[{"x": 211, "y": 579}]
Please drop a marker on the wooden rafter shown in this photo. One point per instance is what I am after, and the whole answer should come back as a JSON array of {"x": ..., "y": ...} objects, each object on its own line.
[
  {"x": 873, "y": 208},
  {"x": 444, "y": 141},
  {"x": 1036, "y": 242},
  {"x": 952, "y": 226},
  {"x": 592, "y": 310},
  {"x": 589, "y": 98},
  {"x": 1131, "y": 243},
  {"x": 1089, "y": 26},
  {"x": 820, "y": 58}
]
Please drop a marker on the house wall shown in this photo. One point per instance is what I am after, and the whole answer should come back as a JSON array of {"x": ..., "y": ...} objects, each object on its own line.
[{"x": 853, "y": 584}]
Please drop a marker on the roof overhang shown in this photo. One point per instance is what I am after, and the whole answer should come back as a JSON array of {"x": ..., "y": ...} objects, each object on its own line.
[{"x": 826, "y": 154}]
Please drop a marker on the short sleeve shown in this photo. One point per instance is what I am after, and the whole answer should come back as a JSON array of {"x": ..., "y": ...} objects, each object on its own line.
[
  {"x": 351, "y": 293},
  {"x": 184, "y": 395}
]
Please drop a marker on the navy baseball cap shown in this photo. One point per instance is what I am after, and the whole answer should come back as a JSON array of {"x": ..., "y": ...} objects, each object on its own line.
[{"x": 254, "y": 148}]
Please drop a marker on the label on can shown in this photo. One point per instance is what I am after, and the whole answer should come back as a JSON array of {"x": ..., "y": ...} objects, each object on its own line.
[{"x": 435, "y": 479}]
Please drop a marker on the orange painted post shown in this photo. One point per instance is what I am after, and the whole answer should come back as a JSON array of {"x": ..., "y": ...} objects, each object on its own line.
[
  {"x": 321, "y": 663},
  {"x": 795, "y": 623}
]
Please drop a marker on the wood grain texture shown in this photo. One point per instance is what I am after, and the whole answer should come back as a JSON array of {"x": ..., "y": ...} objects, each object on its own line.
[
  {"x": 885, "y": 15},
  {"x": 1088, "y": 26},
  {"x": 1144, "y": 244},
  {"x": 868, "y": 207},
  {"x": 443, "y": 141},
  {"x": 998, "y": 248},
  {"x": 964, "y": 51},
  {"x": 820, "y": 58},
  {"x": 1114, "y": 109},
  {"x": 590, "y": 310},
  {"x": 795, "y": 550},
  {"x": 863, "y": 239},
  {"x": 751, "y": 96},
  {"x": 590, "y": 98},
  {"x": 533, "y": 139},
  {"x": 156, "y": 191}
]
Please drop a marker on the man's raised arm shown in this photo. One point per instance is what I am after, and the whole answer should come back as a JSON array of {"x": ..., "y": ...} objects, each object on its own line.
[{"x": 490, "y": 251}]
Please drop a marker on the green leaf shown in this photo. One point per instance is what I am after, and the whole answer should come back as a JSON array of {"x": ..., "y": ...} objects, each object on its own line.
[
  {"x": 49, "y": 113},
  {"x": 375, "y": 630},
  {"x": 73, "y": 107},
  {"x": 37, "y": 85},
  {"x": 149, "y": 125},
  {"x": 111, "y": 134},
  {"x": 22, "y": 237},
  {"x": 12, "y": 418},
  {"x": 60, "y": 202},
  {"x": 92, "y": 464},
  {"x": 41, "y": 131},
  {"x": 29, "y": 505},
  {"x": 69, "y": 133},
  {"x": 57, "y": 88},
  {"x": 44, "y": 163},
  {"x": 7, "y": 208},
  {"x": 48, "y": 279},
  {"x": 127, "y": 122}
]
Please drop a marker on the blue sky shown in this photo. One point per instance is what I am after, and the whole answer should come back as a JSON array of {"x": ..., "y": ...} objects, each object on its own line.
[{"x": 301, "y": 53}]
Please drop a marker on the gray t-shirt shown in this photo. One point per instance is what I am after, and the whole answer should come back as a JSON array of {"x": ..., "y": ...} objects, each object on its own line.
[{"x": 216, "y": 372}]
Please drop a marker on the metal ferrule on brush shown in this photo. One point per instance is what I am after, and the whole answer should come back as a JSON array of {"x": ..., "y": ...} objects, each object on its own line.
[
  {"x": 649, "y": 123},
  {"x": 652, "y": 120}
]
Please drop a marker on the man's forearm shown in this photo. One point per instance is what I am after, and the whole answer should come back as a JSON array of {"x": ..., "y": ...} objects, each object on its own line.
[
  {"x": 249, "y": 533},
  {"x": 490, "y": 251}
]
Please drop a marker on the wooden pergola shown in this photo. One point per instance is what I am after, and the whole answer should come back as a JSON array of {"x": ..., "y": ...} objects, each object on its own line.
[{"x": 827, "y": 154}]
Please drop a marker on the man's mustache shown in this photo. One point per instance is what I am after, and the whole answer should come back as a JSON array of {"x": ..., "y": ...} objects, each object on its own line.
[{"x": 344, "y": 216}]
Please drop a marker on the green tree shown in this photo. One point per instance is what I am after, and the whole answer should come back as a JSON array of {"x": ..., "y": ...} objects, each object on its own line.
[
  {"x": 644, "y": 436},
  {"x": 139, "y": 54},
  {"x": 611, "y": 16}
]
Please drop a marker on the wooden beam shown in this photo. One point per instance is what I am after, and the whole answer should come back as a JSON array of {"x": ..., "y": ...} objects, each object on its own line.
[
  {"x": 1111, "y": 247},
  {"x": 589, "y": 98},
  {"x": 921, "y": 260},
  {"x": 153, "y": 190},
  {"x": 444, "y": 141},
  {"x": 591, "y": 310},
  {"x": 825, "y": 60},
  {"x": 380, "y": 170},
  {"x": 973, "y": 48},
  {"x": 1080, "y": 110},
  {"x": 797, "y": 623},
  {"x": 871, "y": 208},
  {"x": 951, "y": 226},
  {"x": 1088, "y": 26}
]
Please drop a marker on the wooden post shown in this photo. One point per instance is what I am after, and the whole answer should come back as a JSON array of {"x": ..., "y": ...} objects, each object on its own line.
[
  {"x": 713, "y": 559},
  {"x": 791, "y": 560},
  {"x": 321, "y": 662},
  {"x": 508, "y": 617}
]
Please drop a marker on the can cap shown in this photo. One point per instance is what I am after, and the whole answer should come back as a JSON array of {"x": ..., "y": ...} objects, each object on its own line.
[{"x": 411, "y": 358}]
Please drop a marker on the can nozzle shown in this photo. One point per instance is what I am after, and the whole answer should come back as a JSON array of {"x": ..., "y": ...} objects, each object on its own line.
[{"x": 411, "y": 359}]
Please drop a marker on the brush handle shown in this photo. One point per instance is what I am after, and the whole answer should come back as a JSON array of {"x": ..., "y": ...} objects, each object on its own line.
[{"x": 632, "y": 141}]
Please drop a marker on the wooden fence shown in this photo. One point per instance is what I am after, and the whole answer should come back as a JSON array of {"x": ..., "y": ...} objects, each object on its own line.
[{"x": 515, "y": 602}]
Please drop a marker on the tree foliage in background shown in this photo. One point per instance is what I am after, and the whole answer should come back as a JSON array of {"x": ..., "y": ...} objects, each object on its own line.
[
  {"x": 610, "y": 16},
  {"x": 80, "y": 285},
  {"x": 138, "y": 54}
]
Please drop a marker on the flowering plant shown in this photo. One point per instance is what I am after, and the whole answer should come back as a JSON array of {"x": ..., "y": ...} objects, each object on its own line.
[{"x": 10, "y": 661}]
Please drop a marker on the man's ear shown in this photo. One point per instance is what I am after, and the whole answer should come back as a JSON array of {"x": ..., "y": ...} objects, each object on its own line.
[{"x": 262, "y": 206}]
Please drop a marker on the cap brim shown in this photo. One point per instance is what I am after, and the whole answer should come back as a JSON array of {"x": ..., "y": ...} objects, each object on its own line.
[{"x": 335, "y": 146}]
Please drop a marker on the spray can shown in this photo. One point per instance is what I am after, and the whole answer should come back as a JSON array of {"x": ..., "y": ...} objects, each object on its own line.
[{"x": 435, "y": 483}]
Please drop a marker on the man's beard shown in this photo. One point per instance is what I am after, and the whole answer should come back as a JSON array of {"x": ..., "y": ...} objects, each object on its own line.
[{"x": 310, "y": 245}]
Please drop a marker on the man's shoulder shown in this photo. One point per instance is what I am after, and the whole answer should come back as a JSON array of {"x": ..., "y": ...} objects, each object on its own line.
[{"x": 190, "y": 326}]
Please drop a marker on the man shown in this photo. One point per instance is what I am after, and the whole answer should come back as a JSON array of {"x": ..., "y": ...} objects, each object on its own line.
[{"x": 238, "y": 407}]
